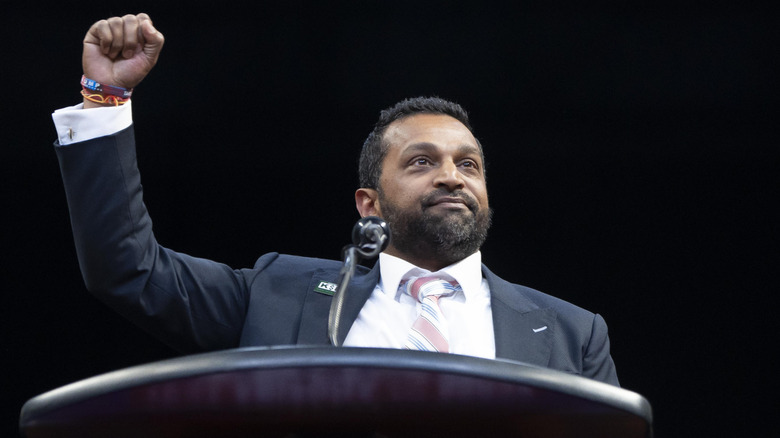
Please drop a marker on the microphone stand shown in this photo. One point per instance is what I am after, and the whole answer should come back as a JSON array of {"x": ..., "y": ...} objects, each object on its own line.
[{"x": 371, "y": 236}]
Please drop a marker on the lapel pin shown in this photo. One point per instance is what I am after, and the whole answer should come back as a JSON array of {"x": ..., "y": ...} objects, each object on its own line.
[{"x": 325, "y": 288}]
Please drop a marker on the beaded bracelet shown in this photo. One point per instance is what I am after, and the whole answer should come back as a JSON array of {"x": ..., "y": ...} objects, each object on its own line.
[
  {"x": 103, "y": 99},
  {"x": 93, "y": 85}
]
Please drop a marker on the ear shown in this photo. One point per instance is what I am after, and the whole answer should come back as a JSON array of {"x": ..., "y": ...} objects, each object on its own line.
[{"x": 367, "y": 202}]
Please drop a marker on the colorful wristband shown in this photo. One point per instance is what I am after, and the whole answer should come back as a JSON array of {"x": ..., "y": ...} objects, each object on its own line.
[
  {"x": 103, "y": 98},
  {"x": 90, "y": 84}
]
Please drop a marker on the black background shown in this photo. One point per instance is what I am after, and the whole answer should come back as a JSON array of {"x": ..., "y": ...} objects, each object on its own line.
[{"x": 631, "y": 155}]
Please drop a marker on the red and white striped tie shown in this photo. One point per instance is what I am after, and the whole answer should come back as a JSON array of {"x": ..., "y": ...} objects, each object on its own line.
[{"x": 429, "y": 332}]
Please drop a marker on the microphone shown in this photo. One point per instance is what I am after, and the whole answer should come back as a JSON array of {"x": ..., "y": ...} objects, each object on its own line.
[{"x": 370, "y": 236}]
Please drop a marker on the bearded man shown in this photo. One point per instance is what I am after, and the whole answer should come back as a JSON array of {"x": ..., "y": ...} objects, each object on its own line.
[{"x": 421, "y": 169}]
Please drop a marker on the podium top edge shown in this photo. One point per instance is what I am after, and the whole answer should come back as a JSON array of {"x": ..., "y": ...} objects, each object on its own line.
[{"x": 244, "y": 359}]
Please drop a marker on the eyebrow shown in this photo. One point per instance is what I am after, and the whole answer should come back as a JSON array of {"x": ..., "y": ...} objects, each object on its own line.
[{"x": 427, "y": 147}]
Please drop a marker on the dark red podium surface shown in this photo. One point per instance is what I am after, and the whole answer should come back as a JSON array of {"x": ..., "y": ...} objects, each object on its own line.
[{"x": 321, "y": 391}]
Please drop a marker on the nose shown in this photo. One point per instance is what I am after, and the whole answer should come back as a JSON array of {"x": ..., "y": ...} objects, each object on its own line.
[{"x": 448, "y": 176}]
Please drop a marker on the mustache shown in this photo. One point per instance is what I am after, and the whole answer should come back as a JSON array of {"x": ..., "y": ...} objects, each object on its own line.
[{"x": 437, "y": 195}]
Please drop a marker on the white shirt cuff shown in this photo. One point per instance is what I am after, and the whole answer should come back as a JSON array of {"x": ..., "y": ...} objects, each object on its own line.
[{"x": 75, "y": 124}]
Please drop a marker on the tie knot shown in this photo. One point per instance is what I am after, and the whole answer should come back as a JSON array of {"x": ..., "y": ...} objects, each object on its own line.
[{"x": 421, "y": 288}]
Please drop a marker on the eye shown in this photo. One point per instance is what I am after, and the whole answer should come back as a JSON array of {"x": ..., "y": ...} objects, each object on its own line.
[
  {"x": 471, "y": 164},
  {"x": 421, "y": 161}
]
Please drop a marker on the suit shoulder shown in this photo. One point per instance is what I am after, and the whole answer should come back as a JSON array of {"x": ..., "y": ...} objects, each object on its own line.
[{"x": 519, "y": 297}]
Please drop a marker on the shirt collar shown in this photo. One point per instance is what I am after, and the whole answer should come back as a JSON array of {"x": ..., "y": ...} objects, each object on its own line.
[{"x": 467, "y": 272}]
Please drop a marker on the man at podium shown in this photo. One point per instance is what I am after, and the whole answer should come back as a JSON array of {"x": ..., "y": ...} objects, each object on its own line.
[{"x": 421, "y": 170}]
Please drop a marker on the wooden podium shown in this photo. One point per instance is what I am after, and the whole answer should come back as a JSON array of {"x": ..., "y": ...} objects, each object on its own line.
[{"x": 323, "y": 391}]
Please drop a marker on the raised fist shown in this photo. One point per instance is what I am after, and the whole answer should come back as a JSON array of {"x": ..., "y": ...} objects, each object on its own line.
[{"x": 120, "y": 51}]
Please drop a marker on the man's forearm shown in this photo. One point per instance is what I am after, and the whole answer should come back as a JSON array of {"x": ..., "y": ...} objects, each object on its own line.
[{"x": 191, "y": 304}]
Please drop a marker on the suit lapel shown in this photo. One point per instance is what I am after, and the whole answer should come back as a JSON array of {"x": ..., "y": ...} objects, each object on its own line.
[
  {"x": 314, "y": 317},
  {"x": 523, "y": 331}
]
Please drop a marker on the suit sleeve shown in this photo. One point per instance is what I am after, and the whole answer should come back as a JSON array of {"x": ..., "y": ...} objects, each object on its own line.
[
  {"x": 597, "y": 361},
  {"x": 191, "y": 304}
]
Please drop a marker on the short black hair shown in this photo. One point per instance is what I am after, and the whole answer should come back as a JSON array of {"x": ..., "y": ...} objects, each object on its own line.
[{"x": 375, "y": 148}]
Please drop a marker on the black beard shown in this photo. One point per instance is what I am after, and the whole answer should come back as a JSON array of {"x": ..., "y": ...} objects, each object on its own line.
[{"x": 446, "y": 238}]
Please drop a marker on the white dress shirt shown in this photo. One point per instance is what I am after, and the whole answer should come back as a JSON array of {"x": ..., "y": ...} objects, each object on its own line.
[{"x": 388, "y": 315}]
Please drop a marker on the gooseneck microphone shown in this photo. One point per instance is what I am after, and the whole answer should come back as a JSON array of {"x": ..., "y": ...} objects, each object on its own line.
[{"x": 370, "y": 236}]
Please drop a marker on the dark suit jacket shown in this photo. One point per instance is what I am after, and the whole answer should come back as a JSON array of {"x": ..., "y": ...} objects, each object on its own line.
[{"x": 196, "y": 304}]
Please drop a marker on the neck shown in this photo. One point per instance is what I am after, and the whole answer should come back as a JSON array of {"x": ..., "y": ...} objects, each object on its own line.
[{"x": 424, "y": 261}]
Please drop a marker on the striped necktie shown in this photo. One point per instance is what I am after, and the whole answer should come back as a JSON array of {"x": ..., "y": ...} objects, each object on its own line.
[{"x": 429, "y": 332}]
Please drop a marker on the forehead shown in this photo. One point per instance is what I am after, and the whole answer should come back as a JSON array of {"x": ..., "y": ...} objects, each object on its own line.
[{"x": 436, "y": 129}]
